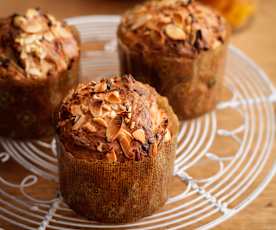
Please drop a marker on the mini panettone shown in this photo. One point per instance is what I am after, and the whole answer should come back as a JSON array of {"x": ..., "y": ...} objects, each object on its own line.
[
  {"x": 39, "y": 62},
  {"x": 179, "y": 47},
  {"x": 116, "y": 141}
]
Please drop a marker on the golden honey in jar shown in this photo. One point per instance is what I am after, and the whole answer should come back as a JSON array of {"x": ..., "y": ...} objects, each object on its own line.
[{"x": 237, "y": 12}]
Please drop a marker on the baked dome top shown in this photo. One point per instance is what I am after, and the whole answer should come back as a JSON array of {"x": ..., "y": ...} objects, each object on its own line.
[
  {"x": 116, "y": 119},
  {"x": 174, "y": 27},
  {"x": 36, "y": 44}
]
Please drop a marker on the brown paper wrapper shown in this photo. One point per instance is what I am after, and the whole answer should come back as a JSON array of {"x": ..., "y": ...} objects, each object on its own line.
[
  {"x": 192, "y": 84},
  {"x": 114, "y": 192},
  {"x": 27, "y": 105}
]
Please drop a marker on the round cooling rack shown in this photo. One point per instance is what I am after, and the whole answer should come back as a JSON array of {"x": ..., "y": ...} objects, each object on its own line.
[{"x": 224, "y": 159}]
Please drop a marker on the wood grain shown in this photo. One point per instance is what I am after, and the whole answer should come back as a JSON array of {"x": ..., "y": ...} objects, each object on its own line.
[{"x": 258, "y": 41}]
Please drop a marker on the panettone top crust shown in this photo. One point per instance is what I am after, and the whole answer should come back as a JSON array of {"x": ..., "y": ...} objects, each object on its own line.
[
  {"x": 116, "y": 119},
  {"x": 173, "y": 28},
  {"x": 35, "y": 45}
]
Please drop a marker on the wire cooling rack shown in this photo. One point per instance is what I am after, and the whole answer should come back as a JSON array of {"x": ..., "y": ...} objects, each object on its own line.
[{"x": 224, "y": 159}]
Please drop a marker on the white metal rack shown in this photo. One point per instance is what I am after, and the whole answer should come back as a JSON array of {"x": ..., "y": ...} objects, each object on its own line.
[{"x": 203, "y": 202}]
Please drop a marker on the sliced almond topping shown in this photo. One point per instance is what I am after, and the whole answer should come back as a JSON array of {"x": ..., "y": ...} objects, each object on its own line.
[
  {"x": 216, "y": 44},
  {"x": 49, "y": 37},
  {"x": 100, "y": 147},
  {"x": 106, "y": 107},
  {"x": 112, "y": 114},
  {"x": 88, "y": 126},
  {"x": 81, "y": 120},
  {"x": 96, "y": 108},
  {"x": 113, "y": 97},
  {"x": 157, "y": 37},
  {"x": 178, "y": 19},
  {"x": 111, "y": 156},
  {"x": 174, "y": 32},
  {"x": 141, "y": 21},
  {"x": 84, "y": 108},
  {"x": 139, "y": 135},
  {"x": 132, "y": 125},
  {"x": 125, "y": 141},
  {"x": 33, "y": 27},
  {"x": 153, "y": 149},
  {"x": 114, "y": 128},
  {"x": 100, "y": 87},
  {"x": 76, "y": 110},
  {"x": 32, "y": 13},
  {"x": 100, "y": 121},
  {"x": 115, "y": 107},
  {"x": 164, "y": 19},
  {"x": 167, "y": 136},
  {"x": 19, "y": 21}
]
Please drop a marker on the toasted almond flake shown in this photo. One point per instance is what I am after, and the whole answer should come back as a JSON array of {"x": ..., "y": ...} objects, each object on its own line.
[
  {"x": 157, "y": 37},
  {"x": 76, "y": 110},
  {"x": 165, "y": 19},
  {"x": 167, "y": 136},
  {"x": 81, "y": 120},
  {"x": 178, "y": 19},
  {"x": 125, "y": 141},
  {"x": 106, "y": 107},
  {"x": 96, "y": 108},
  {"x": 115, "y": 107},
  {"x": 100, "y": 87},
  {"x": 100, "y": 121},
  {"x": 100, "y": 147},
  {"x": 153, "y": 149},
  {"x": 132, "y": 125},
  {"x": 111, "y": 156},
  {"x": 141, "y": 21},
  {"x": 174, "y": 32},
  {"x": 49, "y": 37},
  {"x": 19, "y": 21},
  {"x": 113, "y": 129},
  {"x": 32, "y": 13},
  {"x": 33, "y": 27},
  {"x": 112, "y": 114},
  {"x": 216, "y": 44},
  {"x": 84, "y": 108},
  {"x": 52, "y": 18},
  {"x": 34, "y": 71},
  {"x": 139, "y": 135},
  {"x": 88, "y": 126},
  {"x": 113, "y": 97}
]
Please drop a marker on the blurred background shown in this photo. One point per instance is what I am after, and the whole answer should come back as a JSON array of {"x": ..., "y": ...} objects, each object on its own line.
[
  {"x": 254, "y": 21},
  {"x": 255, "y": 34}
]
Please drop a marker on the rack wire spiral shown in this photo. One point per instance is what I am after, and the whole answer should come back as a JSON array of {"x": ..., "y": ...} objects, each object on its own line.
[{"x": 212, "y": 185}]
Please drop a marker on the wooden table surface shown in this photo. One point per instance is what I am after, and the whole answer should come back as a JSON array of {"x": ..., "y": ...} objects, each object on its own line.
[{"x": 258, "y": 41}]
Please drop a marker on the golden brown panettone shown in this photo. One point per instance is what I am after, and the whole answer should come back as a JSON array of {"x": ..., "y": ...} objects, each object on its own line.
[
  {"x": 179, "y": 47},
  {"x": 117, "y": 141},
  {"x": 39, "y": 62}
]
